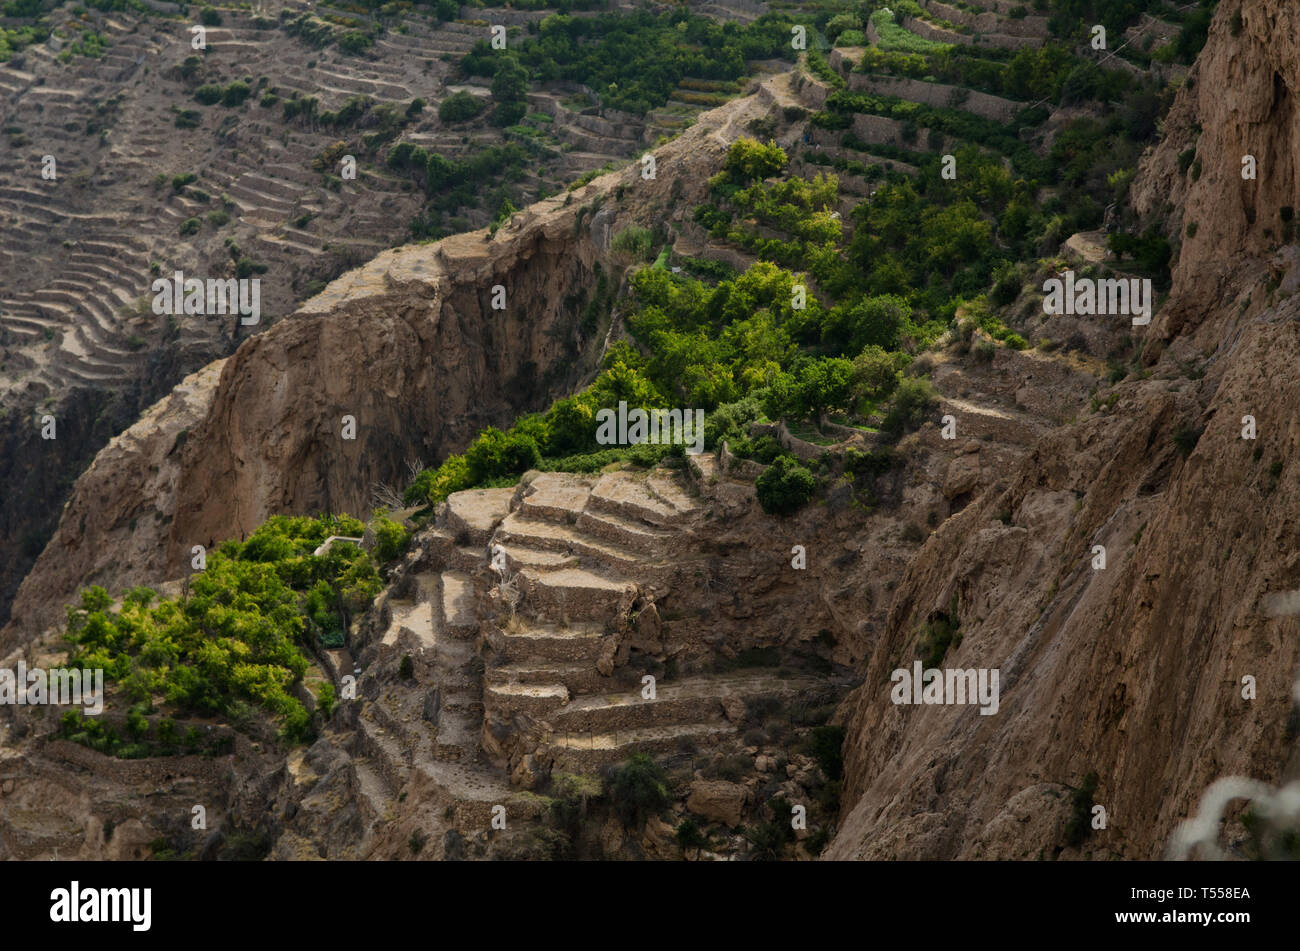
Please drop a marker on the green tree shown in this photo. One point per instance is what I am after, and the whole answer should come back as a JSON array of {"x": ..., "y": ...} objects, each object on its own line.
[
  {"x": 785, "y": 486},
  {"x": 877, "y": 373},
  {"x": 391, "y": 539},
  {"x": 824, "y": 385},
  {"x": 841, "y": 22},
  {"x": 460, "y": 107},
  {"x": 571, "y": 425},
  {"x": 912, "y": 403},
  {"x": 689, "y": 836},
  {"x": 495, "y": 454},
  {"x": 749, "y": 160},
  {"x": 638, "y": 790},
  {"x": 510, "y": 90}
]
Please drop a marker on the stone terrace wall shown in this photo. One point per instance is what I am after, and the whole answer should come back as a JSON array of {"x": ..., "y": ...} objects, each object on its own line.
[
  {"x": 146, "y": 772},
  {"x": 939, "y": 95}
]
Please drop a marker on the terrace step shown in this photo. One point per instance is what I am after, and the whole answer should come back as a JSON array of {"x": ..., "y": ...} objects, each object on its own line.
[
  {"x": 691, "y": 700},
  {"x": 534, "y": 699},
  {"x": 526, "y": 642},
  {"x": 572, "y": 593},
  {"x": 459, "y": 610},
  {"x": 539, "y": 533},
  {"x": 588, "y": 752},
  {"x": 475, "y": 513},
  {"x": 578, "y": 678},
  {"x": 626, "y": 495},
  {"x": 556, "y": 496},
  {"x": 624, "y": 531}
]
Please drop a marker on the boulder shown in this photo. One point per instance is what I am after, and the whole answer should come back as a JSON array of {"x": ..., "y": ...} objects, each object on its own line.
[
  {"x": 718, "y": 801},
  {"x": 734, "y": 708},
  {"x": 963, "y": 475}
]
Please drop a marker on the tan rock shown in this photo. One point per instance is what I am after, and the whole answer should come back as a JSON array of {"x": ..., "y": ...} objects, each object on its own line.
[
  {"x": 659, "y": 840},
  {"x": 963, "y": 475},
  {"x": 525, "y": 773},
  {"x": 734, "y": 708},
  {"x": 611, "y": 837},
  {"x": 608, "y": 651},
  {"x": 718, "y": 801}
]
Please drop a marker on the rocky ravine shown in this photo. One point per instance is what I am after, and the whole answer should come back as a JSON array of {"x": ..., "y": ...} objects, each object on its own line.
[{"x": 1134, "y": 672}]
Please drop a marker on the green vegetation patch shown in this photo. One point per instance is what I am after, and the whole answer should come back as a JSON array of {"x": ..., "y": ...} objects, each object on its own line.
[{"x": 240, "y": 632}]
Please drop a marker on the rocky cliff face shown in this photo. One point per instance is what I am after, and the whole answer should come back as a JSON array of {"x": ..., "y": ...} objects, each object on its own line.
[
  {"x": 1235, "y": 113},
  {"x": 1135, "y": 671}
]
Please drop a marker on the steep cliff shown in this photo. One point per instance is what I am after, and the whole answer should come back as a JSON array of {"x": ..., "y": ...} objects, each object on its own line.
[{"x": 1135, "y": 671}]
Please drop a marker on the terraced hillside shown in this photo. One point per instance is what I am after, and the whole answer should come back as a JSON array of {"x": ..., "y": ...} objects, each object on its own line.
[
  {"x": 573, "y": 619},
  {"x": 229, "y": 162},
  {"x": 93, "y": 239}
]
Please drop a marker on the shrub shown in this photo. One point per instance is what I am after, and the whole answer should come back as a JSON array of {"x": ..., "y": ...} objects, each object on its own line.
[
  {"x": 749, "y": 160},
  {"x": 246, "y": 267},
  {"x": 235, "y": 93},
  {"x": 190, "y": 226},
  {"x": 841, "y": 22},
  {"x": 434, "y": 485},
  {"x": 325, "y": 701},
  {"x": 570, "y": 427},
  {"x": 406, "y": 668},
  {"x": 785, "y": 486},
  {"x": 912, "y": 403},
  {"x": 769, "y": 839},
  {"x": 764, "y": 449},
  {"x": 638, "y": 790},
  {"x": 937, "y": 635},
  {"x": 634, "y": 242},
  {"x": 495, "y": 454},
  {"x": 826, "y": 746},
  {"x": 209, "y": 94},
  {"x": 872, "y": 463},
  {"x": 689, "y": 836},
  {"x": 391, "y": 539},
  {"x": 355, "y": 42},
  {"x": 460, "y": 107}
]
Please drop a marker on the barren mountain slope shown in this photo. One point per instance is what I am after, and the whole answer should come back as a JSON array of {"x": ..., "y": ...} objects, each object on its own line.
[{"x": 1135, "y": 671}]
